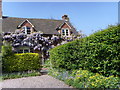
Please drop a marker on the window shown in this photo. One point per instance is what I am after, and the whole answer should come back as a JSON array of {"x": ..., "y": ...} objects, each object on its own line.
[
  {"x": 20, "y": 51},
  {"x": 24, "y": 51},
  {"x": 65, "y": 32},
  {"x": 23, "y": 29},
  {"x": 31, "y": 51},
  {"x": 26, "y": 30}
]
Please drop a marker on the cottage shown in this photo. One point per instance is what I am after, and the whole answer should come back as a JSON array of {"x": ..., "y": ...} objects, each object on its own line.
[
  {"x": 48, "y": 27},
  {"x": 32, "y": 26},
  {"x": 27, "y": 28}
]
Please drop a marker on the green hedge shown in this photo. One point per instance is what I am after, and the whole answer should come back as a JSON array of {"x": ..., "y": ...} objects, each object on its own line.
[
  {"x": 99, "y": 52},
  {"x": 21, "y": 62}
]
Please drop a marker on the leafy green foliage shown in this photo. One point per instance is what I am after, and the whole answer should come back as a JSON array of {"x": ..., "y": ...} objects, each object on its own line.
[
  {"x": 85, "y": 79},
  {"x": 21, "y": 62},
  {"x": 6, "y": 50},
  {"x": 99, "y": 53}
]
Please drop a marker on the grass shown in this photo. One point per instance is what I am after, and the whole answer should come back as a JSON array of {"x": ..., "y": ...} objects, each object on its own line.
[{"x": 19, "y": 75}]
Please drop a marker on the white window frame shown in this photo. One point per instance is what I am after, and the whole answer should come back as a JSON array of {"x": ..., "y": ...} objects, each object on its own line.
[
  {"x": 62, "y": 32},
  {"x": 26, "y": 29},
  {"x": 65, "y": 31}
]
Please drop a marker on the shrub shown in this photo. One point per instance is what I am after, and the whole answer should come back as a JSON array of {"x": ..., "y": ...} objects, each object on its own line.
[
  {"x": 99, "y": 52},
  {"x": 65, "y": 56},
  {"x": 21, "y": 62},
  {"x": 85, "y": 79},
  {"x": 6, "y": 50}
]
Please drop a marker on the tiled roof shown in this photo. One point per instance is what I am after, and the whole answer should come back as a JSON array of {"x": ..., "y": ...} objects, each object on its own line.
[{"x": 47, "y": 26}]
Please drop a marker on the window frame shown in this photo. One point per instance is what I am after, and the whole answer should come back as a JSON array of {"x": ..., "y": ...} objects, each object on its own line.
[
  {"x": 66, "y": 33},
  {"x": 63, "y": 31},
  {"x": 23, "y": 51},
  {"x": 26, "y": 30}
]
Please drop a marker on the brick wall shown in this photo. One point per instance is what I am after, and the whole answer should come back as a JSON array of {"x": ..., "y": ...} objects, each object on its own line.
[
  {"x": 26, "y": 24},
  {"x": 65, "y": 26}
]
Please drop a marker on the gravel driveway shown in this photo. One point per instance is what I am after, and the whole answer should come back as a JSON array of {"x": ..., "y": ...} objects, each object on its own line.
[{"x": 44, "y": 81}]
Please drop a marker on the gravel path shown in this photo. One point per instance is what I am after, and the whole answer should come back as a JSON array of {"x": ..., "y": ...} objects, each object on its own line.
[{"x": 44, "y": 81}]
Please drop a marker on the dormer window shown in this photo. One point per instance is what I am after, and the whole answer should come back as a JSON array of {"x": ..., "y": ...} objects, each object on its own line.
[
  {"x": 65, "y": 32},
  {"x": 26, "y": 30}
]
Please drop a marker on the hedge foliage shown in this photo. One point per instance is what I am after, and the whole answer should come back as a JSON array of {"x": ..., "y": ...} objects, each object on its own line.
[
  {"x": 21, "y": 62},
  {"x": 6, "y": 50},
  {"x": 99, "y": 52}
]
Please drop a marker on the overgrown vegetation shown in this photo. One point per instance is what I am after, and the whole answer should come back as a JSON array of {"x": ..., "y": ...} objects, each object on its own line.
[
  {"x": 98, "y": 53},
  {"x": 85, "y": 79},
  {"x": 6, "y": 50}
]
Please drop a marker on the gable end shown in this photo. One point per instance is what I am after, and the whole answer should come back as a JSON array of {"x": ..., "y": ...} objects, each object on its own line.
[{"x": 26, "y": 22}]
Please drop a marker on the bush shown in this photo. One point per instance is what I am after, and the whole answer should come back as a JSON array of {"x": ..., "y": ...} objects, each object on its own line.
[
  {"x": 65, "y": 56},
  {"x": 21, "y": 62},
  {"x": 6, "y": 50},
  {"x": 85, "y": 79},
  {"x": 99, "y": 53}
]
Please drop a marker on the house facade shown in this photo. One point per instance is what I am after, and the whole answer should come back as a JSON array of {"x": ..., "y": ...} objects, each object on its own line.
[
  {"x": 31, "y": 26},
  {"x": 48, "y": 27}
]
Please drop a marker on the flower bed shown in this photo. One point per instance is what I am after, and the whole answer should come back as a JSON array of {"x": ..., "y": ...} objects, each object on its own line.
[{"x": 85, "y": 79}]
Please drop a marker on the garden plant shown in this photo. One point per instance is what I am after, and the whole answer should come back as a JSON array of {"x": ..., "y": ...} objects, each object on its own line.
[{"x": 92, "y": 62}]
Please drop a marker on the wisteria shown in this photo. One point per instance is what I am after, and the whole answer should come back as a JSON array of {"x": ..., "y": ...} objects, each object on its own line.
[{"x": 35, "y": 41}]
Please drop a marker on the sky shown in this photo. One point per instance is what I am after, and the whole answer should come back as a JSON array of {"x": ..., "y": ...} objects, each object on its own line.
[{"x": 86, "y": 16}]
